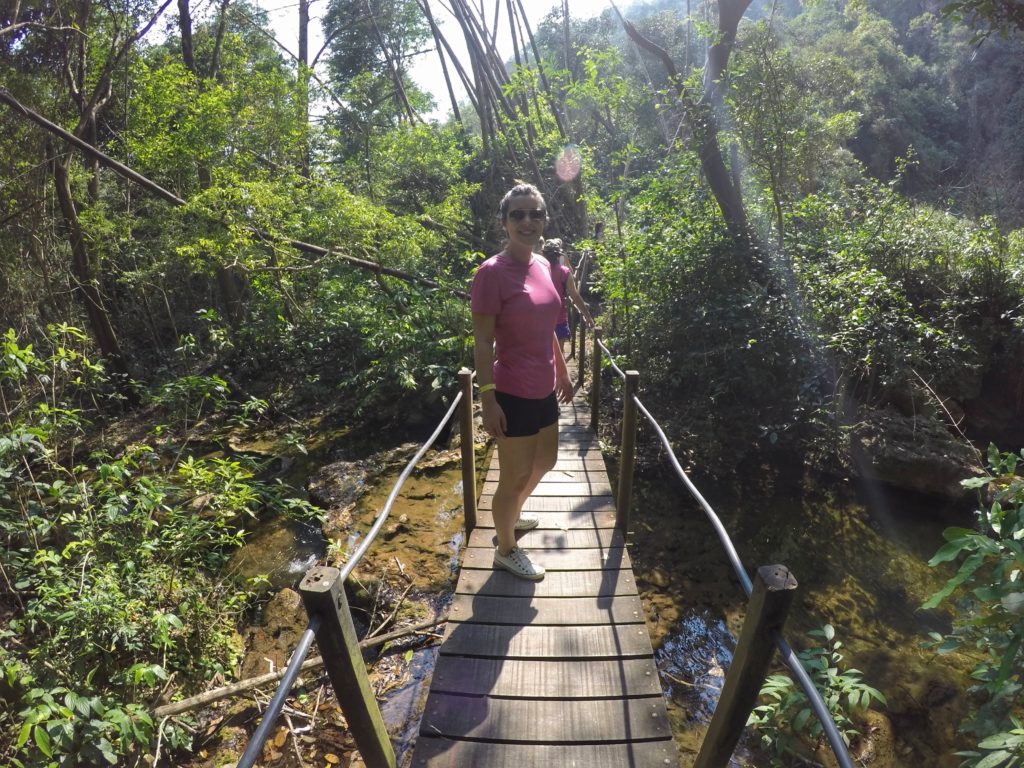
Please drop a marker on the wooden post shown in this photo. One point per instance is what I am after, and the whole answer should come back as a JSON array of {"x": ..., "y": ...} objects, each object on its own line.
[
  {"x": 323, "y": 594},
  {"x": 467, "y": 443},
  {"x": 773, "y": 593},
  {"x": 595, "y": 383},
  {"x": 581, "y": 359},
  {"x": 628, "y": 454}
]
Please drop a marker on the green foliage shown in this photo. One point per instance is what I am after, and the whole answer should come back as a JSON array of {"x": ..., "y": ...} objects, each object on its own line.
[
  {"x": 416, "y": 170},
  {"x": 791, "y": 128},
  {"x": 685, "y": 310},
  {"x": 989, "y": 618},
  {"x": 786, "y": 722},
  {"x": 112, "y": 564},
  {"x": 370, "y": 46},
  {"x": 891, "y": 289},
  {"x": 60, "y": 727},
  {"x": 1002, "y": 16}
]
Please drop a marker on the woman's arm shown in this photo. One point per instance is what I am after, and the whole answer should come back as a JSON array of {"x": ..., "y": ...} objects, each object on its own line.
[
  {"x": 574, "y": 294},
  {"x": 563, "y": 384},
  {"x": 483, "y": 358}
]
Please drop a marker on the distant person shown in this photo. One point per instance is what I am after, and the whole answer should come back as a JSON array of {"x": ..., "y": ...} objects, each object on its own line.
[
  {"x": 561, "y": 275},
  {"x": 520, "y": 368}
]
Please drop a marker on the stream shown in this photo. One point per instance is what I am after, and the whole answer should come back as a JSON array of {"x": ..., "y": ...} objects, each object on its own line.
[{"x": 859, "y": 554}]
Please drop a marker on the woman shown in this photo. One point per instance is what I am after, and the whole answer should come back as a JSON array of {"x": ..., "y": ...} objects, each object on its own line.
[
  {"x": 561, "y": 275},
  {"x": 520, "y": 368}
]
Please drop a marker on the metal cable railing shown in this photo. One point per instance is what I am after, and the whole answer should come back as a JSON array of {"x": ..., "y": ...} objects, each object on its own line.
[
  {"x": 789, "y": 658},
  {"x": 259, "y": 738},
  {"x": 382, "y": 518},
  {"x": 276, "y": 705}
]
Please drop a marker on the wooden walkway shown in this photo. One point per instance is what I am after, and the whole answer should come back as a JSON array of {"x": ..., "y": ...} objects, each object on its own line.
[{"x": 558, "y": 672}]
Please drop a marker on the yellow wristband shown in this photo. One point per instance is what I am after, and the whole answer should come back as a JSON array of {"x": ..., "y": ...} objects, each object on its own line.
[{"x": 486, "y": 388}]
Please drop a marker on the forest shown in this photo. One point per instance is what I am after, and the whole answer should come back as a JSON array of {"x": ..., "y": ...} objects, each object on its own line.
[{"x": 806, "y": 221}]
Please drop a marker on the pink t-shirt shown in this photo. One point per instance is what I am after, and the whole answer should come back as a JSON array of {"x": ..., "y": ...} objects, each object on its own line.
[
  {"x": 560, "y": 277},
  {"x": 525, "y": 304}
]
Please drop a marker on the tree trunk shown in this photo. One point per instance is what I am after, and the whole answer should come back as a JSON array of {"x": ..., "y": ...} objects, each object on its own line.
[
  {"x": 185, "y": 28},
  {"x": 86, "y": 284},
  {"x": 442, "y": 42},
  {"x": 303, "y": 82},
  {"x": 440, "y": 45},
  {"x": 726, "y": 190},
  {"x": 396, "y": 73},
  {"x": 524, "y": 97},
  {"x": 706, "y": 115}
]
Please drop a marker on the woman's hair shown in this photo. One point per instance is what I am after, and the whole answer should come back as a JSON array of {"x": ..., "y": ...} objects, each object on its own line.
[
  {"x": 553, "y": 250},
  {"x": 519, "y": 190}
]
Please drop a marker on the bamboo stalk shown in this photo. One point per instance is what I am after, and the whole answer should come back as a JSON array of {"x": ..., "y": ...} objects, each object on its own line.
[
  {"x": 425, "y": 5},
  {"x": 540, "y": 70}
]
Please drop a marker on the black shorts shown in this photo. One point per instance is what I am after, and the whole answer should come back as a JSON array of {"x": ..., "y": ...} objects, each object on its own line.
[{"x": 525, "y": 417}]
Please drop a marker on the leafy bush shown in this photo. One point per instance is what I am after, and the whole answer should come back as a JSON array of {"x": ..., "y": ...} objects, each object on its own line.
[
  {"x": 878, "y": 279},
  {"x": 786, "y": 722},
  {"x": 111, "y": 567},
  {"x": 681, "y": 305},
  {"x": 989, "y": 618}
]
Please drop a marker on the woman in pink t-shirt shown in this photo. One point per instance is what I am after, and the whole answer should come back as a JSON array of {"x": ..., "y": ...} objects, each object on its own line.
[
  {"x": 561, "y": 276},
  {"x": 520, "y": 368}
]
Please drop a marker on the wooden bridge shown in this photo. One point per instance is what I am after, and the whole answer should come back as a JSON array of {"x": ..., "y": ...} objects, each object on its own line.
[{"x": 558, "y": 672}]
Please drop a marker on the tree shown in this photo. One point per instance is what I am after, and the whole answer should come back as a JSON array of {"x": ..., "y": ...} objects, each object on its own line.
[
  {"x": 86, "y": 45},
  {"x": 988, "y": 16},
  {"x": 786, "y": 118},
  {"x": 708, "y": 115},
  {"x": 370, "y": 44}
]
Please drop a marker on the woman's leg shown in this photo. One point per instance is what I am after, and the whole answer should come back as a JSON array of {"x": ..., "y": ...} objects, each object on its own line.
[
  {"x": 544, "y": 457},
  {"x": 516, "y": 459}
]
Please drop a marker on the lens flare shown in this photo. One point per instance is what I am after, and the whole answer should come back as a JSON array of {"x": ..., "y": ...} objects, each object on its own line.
[{"x": 567, "y": 166}]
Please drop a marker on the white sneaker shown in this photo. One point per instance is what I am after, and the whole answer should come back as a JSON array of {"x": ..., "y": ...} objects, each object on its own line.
[
  {"x": 527, "y": 522},
  {"x": 518, "y": 564}
]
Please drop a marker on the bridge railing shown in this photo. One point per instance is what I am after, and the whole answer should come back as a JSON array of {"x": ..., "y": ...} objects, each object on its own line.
[
  {"x": 330, "y": 620},
  {"x": 331, "y": 625},
  {"x": 770, "y": 593}
]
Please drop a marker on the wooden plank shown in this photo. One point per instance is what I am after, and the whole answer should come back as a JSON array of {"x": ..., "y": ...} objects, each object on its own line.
[
  {"x": 533, "y": 679},
  {"x": 566, "y": 521},
  {"x": 622, "y": 641},
  {"x": 560, "y": 503},
  {"x": 528, "y": 669},
  {"x": 565, "y": 453},
  {"x": 591, "y": 468},
  {"x": 590, "y": 584},
  {"x": 612, "y": 559},
  {"x": 574, "y": 436},
  {"x": 582, "y": 475},
  {"x": 596, "y": 487},
  {"x": 554, "y": 538},
  {"x": 546, "y": 721},
  {"x": 446, "y": 753},
  {"x": 546, "y": 611}
]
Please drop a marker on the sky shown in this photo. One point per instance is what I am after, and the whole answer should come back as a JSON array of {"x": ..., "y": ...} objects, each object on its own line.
[{"x": 426, "y": 71}]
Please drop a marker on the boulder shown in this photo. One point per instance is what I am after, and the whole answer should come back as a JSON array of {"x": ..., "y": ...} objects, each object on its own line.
[
  {"x": 339, "y": 483},
  {"x": 916, "y": 453},
  {"x": 270, "y": 644}
]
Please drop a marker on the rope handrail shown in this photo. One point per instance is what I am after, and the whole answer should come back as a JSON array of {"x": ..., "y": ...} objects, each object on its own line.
[
  {"x": 383, "y": 516},
  {"x": 270, "y": 715},
  {"x": 789, "y": 657}
]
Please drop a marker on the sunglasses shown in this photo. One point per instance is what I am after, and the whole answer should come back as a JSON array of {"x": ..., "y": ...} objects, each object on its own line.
[{"x": 535, "y": 214}]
